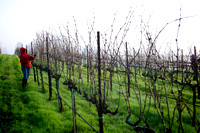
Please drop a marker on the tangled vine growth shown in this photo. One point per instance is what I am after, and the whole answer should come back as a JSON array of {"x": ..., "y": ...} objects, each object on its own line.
[{"x": 165, "y": 85}]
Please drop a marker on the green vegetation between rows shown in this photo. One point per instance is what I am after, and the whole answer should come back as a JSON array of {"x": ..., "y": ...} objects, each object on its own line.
[{"x": 29, "y": 110}]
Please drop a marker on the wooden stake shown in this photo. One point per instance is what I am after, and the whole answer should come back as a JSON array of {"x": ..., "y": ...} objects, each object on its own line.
[
  {"x": 197, "y": 72},
  {"x": 49, "y": 75},
  {"x": 182, "y": 67},
  {"x": 37, "y": 75},
  {"x": 59, "y": 99},
  {"x": 100, "y": 113},
  {"x": 43, "y": 90},
  {"x": 194, "y": 91},
  {"x": 127, "y": 69},
  {"x": 73, "y": 110},
  {"x": 33, "y": 62}
]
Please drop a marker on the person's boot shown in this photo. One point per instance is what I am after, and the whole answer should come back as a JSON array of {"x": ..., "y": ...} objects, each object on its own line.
[{"x": 23, "y": 83}]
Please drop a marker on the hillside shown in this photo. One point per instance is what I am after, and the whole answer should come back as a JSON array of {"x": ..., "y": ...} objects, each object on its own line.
[{"x": 29, "y": 110}]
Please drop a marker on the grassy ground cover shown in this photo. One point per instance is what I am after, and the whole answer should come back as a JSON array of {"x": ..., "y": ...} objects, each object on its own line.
[{"x": 29, "y": 110}]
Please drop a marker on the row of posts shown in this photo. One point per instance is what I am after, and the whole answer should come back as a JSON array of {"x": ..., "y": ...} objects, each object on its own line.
[
  {"x": 100, "y": 113},
  {"x": 36, "y": 79}
]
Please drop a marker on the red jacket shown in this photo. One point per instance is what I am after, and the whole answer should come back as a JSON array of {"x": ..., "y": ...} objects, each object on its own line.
[{"x": 25, "y": 58}]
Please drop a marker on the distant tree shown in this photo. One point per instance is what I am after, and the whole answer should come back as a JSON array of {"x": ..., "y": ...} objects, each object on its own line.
[{"x": 17, "y": 49}]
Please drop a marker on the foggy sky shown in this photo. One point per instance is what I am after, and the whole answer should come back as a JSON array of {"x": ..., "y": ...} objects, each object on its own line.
[{"x": 21, "y": 19}]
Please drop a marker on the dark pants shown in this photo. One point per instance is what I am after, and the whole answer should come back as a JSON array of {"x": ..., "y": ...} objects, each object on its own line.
[{"x": 26, "y": 72}]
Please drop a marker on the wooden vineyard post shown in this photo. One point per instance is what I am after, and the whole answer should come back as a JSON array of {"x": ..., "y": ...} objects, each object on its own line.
[
  {"x": 177, "y": 69},
  {"x": 33, "y": 62},
  {"x": 49, "y": 75},
  {"x": 135, "y": 66},
  {"x": 43, "y": 90},
  {"x": 127, "y": 69},
  {"x": 179, "y": 108},
  {"x": 37, "y": 75},
  {"x": 197, "y": 72},
  {"x": 73, "y": 110},
  {"x": 59, "y": 99},
  {"x": 182, "y": 67},
  {"x": 57, "y": 77},
  {"x": 100, "y": 113},
  {"x": 194, "y": 90},
  {"x": 87, "y": 65}
]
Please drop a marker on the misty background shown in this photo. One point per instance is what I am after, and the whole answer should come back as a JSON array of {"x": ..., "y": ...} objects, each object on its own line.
[{"x": 21, "y": 19}]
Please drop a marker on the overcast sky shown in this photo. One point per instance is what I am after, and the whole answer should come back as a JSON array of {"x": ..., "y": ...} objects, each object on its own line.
[{"x": 21, "y": 19}]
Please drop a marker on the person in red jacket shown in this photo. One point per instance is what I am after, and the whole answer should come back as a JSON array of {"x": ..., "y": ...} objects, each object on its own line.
[{"x": 25, "y": 64}]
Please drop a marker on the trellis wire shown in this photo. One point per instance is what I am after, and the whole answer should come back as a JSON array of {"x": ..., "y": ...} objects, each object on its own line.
[{"x": 71, "y": 107}]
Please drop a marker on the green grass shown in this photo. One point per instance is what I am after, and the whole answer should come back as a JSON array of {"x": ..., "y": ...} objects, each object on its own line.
[{"x": 29, "y": 110}]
